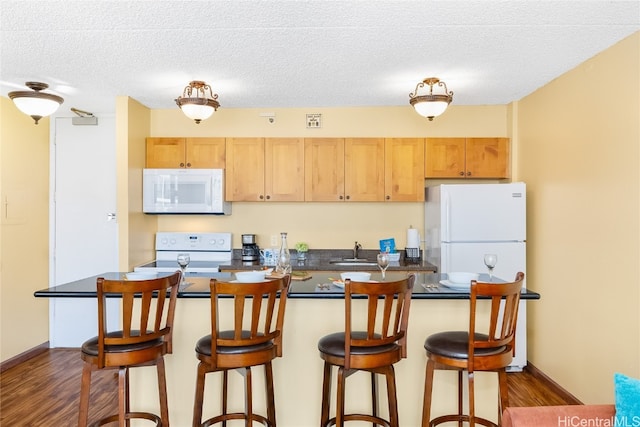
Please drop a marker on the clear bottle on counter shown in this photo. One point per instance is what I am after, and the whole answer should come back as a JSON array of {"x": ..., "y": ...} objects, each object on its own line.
[{"x": 284, "y": 256}]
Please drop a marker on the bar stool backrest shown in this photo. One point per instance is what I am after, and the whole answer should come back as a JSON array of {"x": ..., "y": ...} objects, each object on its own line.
[
  {"x": 387, "y": 314},
  {"x": 500, "y": 327},
  {"x": 147, "y": 313},
  {"x": 256, "y": 317}
]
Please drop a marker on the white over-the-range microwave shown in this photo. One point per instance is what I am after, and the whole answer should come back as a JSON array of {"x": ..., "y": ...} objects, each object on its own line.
[{"x": 184, "y": 191}]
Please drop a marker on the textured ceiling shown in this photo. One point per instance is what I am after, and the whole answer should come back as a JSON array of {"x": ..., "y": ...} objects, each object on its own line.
[{"x": 262, "y": 54}]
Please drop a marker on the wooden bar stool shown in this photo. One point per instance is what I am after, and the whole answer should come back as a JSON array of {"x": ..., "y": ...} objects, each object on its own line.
[
  {"x": 375, "y": 348},
  {"x": 491, "y": 349},
  {"x": 250, "y": 335},
  {"x": 141, "y": 341}
]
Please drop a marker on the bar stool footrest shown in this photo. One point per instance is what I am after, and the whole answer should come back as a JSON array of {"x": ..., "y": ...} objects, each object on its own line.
[
  {"x": 236, "y": 416},
  {"x": 461, "y": 418},
  {"x": 360, "y": 417},
  {"x": 129, "y": 416}
]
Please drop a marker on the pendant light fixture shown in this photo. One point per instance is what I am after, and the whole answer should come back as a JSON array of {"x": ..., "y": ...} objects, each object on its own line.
[
  {"x": 35, "y": 103},
  {"x": 194, "y": 102},
  {"x": 430, "y": 105}
]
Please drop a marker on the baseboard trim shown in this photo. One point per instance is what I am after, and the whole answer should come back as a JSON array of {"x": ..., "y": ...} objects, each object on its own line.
[
  {"x": 552, "y": 385},
  {"x": 23, "y": 357}
]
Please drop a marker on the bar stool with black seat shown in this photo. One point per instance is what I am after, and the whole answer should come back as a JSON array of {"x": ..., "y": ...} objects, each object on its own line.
[
  {"x": 249, "y": 334},
  {"x": 140, "y": 341},
  {"x": 373, "y": 342},
  {"x": 491, "y": 349}
]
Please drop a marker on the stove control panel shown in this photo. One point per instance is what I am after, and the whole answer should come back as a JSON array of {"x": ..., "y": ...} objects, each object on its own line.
[{"x": 210, "y": 242}]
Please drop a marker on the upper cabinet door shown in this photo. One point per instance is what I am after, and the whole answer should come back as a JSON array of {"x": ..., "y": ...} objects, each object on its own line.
[
  {"x": 244, "y": 173},
  {"x": 284, "y": 169},
  {"x": 165, "y": 153},
  {"x": 467, "y": 158},
  {"x": 487, "y": 158},
  {"x": 445, "y": 158},
  {"x": 174, "y": 153},
  {"x": 364, "y": 169},
  {"x": 404, "y": 169},
  {"x": 205, "y": 153},
  {"x": 324, "y": 169}
]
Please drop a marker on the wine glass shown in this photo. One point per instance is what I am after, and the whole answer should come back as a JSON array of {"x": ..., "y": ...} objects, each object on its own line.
[
  {"x": 383, "y": 262},
  {"x": 183, "y": 262},
  {"x": 490, "y": 261}
]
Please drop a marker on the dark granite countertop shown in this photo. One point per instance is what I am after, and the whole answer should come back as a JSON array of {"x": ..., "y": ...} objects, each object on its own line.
[
  {"x": 319, "y": 286},
  {"x": 320, "y": 260}
]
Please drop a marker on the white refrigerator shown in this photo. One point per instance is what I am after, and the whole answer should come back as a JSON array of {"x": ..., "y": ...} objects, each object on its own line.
[{"x": 465, "y": 221}]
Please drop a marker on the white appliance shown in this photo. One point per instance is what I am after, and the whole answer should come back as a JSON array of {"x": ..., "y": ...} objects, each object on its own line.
[
  {"x": 184, "y": 191},
  {"x": 465, "y": 221},
  {"x": 207, "y": 252}
]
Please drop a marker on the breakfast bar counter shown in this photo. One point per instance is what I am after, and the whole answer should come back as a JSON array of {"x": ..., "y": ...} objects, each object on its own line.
[
  {"x": 316, "y": 309},
  {"x": 316, "y": 285}
]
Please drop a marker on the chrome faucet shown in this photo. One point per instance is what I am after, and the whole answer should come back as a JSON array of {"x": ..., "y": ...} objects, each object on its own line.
[{"x": 356, "y": 248}]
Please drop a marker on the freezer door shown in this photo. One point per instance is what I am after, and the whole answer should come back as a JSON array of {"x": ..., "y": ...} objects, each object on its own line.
[
  {"x": 470, "y": 257},
  {"x": 483, "y": 212}
]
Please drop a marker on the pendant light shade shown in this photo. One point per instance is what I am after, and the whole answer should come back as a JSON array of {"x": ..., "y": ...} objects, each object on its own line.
[
  {"x": 35, "y": 103},
  {"x": 194, "y": 102},
  {"x": 430, "y": 105}
]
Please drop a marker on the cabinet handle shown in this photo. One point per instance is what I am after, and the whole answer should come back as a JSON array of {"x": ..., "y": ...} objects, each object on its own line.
[
  {"x": 348, "y": 197},
  {"x": 181, "y": 165},
  {"x": 388, "y": 197},
  {"x": 188, "y": 165},
  {"x": 461, "y": 173},
  {"x": 268, "y": 197},
  {"x": 468, "y": 173},
  {"x": 341, "y": 197},
  {"x": 261, "y": 197}
]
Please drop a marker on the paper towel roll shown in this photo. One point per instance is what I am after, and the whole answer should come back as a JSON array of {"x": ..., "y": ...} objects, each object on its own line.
[{"x": 413, "y": 238}]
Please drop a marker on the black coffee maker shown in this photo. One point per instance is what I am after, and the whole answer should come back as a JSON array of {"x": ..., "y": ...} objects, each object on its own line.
[{"x": 250, "y": 250}]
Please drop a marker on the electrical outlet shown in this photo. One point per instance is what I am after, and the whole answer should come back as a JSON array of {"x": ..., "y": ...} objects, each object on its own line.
[
  {"x": 314, "y": 121},
  {"x": 274, "y": 240}
]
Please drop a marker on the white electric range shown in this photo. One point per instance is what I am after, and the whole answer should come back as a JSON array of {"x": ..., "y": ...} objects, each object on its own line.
[{"x": 207, "y": 252}]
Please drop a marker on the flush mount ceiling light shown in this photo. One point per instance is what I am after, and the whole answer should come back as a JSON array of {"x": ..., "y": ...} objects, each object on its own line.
[
  {"x": 430, "y": 105},
  {"x": 194, "y": 101},
  {"x": 35, "y": 103}
]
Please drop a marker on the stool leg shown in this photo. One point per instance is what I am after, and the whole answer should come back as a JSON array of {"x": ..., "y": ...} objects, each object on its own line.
[
  {"x": 271, "y": 401},
  {"x": 460, "y": 398},
  {"x": 392, "y": 396},
  {"x": 374, "y": 396},
  {"x": 340, "y": 397},
  {"x": 472, "y": 400},
  {"x": 85, "y": 388},
  {"x": 162, "y": 390},
  {"x": 122, "y": 395},
  {"x": 504, "y": 393},
  {"x": 199, "y": 399},
  {"x": 225, "y": 384},
  {"x": 428, "y": 388},
  {"x": 326, "y": 395},
  {"x": 248, "y": 397}
]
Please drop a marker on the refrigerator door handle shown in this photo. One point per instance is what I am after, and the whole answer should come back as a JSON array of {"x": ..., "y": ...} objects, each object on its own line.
[{"x": 446, "y": 204}]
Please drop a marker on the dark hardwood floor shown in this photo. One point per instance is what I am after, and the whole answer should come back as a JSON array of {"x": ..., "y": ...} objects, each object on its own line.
[{"x": 44, "y": 391}]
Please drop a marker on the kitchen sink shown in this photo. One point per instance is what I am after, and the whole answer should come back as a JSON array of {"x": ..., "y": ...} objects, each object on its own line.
[{"x": 353, "y": 261}]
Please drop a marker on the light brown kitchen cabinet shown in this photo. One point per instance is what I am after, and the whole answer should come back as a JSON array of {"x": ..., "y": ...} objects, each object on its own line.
[
  {"x": 175, "y": 153},
  {"x": 324, "y": 169},
  {"x": 344, "y": 169},
  {"x": 364, "y": 169},
  {"x": 467, "y": 158},
  {"x": 404, "y": 169},
  {"x": 265, "y": 169}
]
